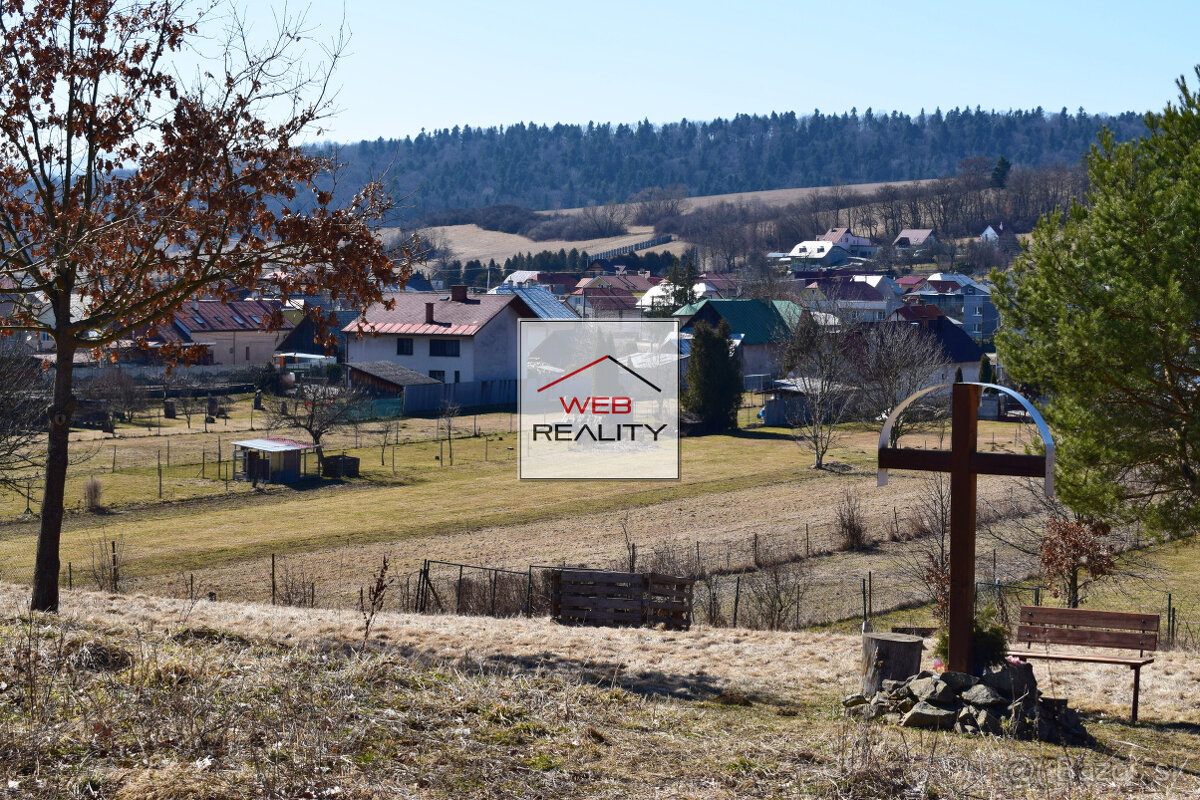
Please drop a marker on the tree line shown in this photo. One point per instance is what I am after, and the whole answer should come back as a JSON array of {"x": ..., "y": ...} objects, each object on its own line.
[{"x": 567, "y": 166}]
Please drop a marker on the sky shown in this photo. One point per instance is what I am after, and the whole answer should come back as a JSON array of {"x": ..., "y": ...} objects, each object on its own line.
[{"x": 429, "y": 65}]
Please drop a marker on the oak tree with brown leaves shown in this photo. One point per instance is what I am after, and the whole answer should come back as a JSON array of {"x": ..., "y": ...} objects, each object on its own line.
[{"x": 125, "y": 190}]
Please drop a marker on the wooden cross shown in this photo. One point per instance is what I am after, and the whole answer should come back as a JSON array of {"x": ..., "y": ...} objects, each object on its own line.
[{"x": 964, "y": 463}]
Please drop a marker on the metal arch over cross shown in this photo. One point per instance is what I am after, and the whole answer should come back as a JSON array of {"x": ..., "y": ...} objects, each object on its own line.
[{"x": 964, "y": 463}]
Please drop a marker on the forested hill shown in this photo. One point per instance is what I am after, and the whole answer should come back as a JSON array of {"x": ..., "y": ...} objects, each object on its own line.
[{"x": 566, "y": 166}]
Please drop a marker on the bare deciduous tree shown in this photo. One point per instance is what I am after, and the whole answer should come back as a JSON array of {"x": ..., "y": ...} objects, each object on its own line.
[
  {"x": 317, "y": 409},
  {"x": 891, "y": 361},
  {"x": 125, "y": 190},
  {"x": 816, "y": 359}
]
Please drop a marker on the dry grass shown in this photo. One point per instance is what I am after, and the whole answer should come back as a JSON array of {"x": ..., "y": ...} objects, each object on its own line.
[
  {"x": 471, "y": 241},
  {"x": 475, "y": 511},
  {"x": 220, "y": 700}
]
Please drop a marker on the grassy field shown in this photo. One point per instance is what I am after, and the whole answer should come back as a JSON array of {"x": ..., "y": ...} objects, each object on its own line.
[
  {"x": 410, "y": 502},
  {"x": 134, "y": 697}
]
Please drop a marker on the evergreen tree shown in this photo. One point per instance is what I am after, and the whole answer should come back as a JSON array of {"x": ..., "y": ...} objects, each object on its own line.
[
  {"x": 1108, "y": 333},
  {"x": 714, "y": 378},
  {"x": 985, "y": 369},
  {"x": 1000, "y": 172},
  {"x": 958, "y": 376}
]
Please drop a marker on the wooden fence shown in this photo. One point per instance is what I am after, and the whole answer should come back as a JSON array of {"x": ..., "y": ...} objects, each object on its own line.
[{"x": 591, "y": 597}]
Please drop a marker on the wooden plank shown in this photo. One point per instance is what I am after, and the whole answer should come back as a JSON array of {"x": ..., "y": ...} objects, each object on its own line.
[
  {"x": 1009, "y": 464},
  {"x": 605, "y": 617},
  {"x": 602, "y": 591},
  {"x": 684, "y": 596},
  {"x": 592, "y": 602},
  {"x": 658, "y": 577},
  {"x": 1126, "y": 662},
  {"x": 656, "y": 606},
  {"x": 1086, "y": 637},
  {"x": 596, "y": 576},
  {"x": 908, "y": 458},
  {"x": 1121, "y": 620}
]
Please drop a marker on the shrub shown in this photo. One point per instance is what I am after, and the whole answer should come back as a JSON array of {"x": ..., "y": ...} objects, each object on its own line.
[
  {"x": 989, "y": 643},
  {"x": 851, "y": 530},
  {"x": 92, "y": 491}
]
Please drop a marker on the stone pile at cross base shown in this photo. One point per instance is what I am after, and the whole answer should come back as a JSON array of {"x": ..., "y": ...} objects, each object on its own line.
[{"x": 1004, "y": 701}]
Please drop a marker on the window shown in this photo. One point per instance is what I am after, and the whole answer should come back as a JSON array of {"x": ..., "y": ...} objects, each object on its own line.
[
  {"x": 456, "y": 376},
  {"x": 444, "y": 347},
  {"x": 403, "y": 346},
  {"x": 438, "y": 375}
]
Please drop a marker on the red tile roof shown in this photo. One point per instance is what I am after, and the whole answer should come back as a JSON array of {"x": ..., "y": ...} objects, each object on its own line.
[
  {"x": 917, "y": 312},
  {"x": 450, "y": 317}
]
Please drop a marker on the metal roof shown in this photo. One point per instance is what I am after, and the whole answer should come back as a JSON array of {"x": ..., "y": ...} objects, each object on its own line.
[
  {"x": 541, "y": 300},
  {"x": 274, "y": 445}
]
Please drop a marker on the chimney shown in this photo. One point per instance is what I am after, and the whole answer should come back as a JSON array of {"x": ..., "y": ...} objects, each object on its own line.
[
  {"x": 429, "y": 313},
  {"x": 458, "y": 293}
]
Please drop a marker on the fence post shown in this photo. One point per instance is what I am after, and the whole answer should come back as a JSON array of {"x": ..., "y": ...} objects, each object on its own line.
[
  {"x": 493, "y": 609},
  {"x": 529, "y": 592},
  {"x": 870, "y": 594},
  {"x": 1170, "y": 611},
  {"x": 272, "y": 579},
  {"x": 115, "y": 574},
  {"x": 191, "y": 587},
  {"x": 1037, "y": 595},
  {"x": 458, "y": 590},
  {"x": 203, "y": 464},
  {"x": 737, "y": 597},
  {"x": 807, "y": 543},
  {"x": 70, "y": 576},
  {"x": 160, "y": 473},
  {"x": 864, "y": 605},
  {"x": 114, "y": 469}
]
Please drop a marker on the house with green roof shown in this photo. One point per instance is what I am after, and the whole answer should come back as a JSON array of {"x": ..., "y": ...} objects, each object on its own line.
[{"x": 760, "y": 328}]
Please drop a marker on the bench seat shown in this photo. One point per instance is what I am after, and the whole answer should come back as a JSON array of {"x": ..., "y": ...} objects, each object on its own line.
[{"x": 1086, "y": 628}]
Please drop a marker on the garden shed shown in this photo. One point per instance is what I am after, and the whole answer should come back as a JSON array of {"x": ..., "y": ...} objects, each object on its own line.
[{"x": 271, "y": 460}]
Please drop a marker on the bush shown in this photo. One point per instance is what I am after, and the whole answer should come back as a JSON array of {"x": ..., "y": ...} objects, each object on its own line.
[
  {"x": 989, "y": 643},
  {"x": 851, "y": 530},
  {"x": 92, "y": 491}
]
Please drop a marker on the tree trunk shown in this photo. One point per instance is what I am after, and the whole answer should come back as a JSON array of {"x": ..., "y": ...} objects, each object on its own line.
[
  {"x": 891, "y": 656},
  {"x": 62, "y": 409}
]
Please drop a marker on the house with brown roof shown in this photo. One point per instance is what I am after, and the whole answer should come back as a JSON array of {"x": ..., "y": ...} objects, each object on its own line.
[
  {"x": 222, "y": 333},
  {"x": 603, "y": 302},
  {"x": 914, "y": 237},
  {"x": 454, "y": 338}
]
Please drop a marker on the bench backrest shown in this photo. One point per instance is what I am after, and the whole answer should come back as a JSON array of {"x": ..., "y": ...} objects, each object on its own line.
[{"x": 1118, "y": 629}]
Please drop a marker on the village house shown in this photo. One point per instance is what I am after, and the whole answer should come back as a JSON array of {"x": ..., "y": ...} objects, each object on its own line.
[
  {"x": 958, "y": 348},
  {"x": 760, "y": 329},
  {"x": 818, "y": 253},
  {"x": 454, "y": 338},
  {"x": 852, "y": 299},
  {"x": 964, "y": 299},
  {"x": 857, "y": 246},
  {"x": 221, "y": 333},
  {"x": 914, "y": 238}
]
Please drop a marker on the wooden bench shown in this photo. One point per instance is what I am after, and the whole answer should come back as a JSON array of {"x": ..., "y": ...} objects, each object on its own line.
[{"x": 1076, "y": 626}]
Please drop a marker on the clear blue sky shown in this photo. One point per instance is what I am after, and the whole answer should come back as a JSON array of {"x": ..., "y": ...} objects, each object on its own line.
[{"x": 436, "y": 64}]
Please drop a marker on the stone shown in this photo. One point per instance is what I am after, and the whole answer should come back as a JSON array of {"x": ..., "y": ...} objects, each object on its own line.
[
  {"x": 904, "y": 704},
  {"x": 932, "y": 690},
  {"x": 891, "y": 687},
  {"x": 983, "y": 695},
  {"x": 854, "y": 700},
  {"x": 925, "y": 673},
  {"x": 1013, "y": 681},
  {"x": 958, "y": 680},
  {"x": 881, "y": 699},
  {"x": 925, "y": 715},
  {"x": 988, "y": 722}
]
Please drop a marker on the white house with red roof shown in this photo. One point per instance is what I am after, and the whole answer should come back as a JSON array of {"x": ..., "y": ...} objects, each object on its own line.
[{"x": 454, "y": 338}]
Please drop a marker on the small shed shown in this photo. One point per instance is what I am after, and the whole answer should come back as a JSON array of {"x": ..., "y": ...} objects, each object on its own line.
[{"x": 271, "y": 460}]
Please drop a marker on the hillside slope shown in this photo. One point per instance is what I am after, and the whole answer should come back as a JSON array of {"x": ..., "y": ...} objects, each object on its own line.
[{"x": 137, "y": 697}]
